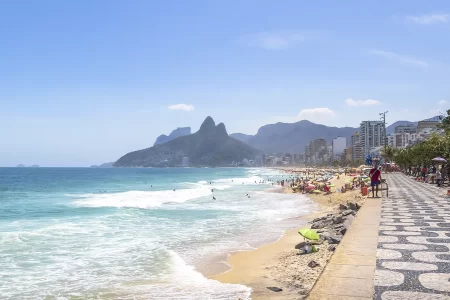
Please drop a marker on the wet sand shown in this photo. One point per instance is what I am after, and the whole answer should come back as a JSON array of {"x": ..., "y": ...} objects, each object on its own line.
[{"x": 279, "y": 264}]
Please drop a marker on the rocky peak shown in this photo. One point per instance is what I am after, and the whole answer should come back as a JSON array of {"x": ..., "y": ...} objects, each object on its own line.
[
  {"x": 221, "y": 130},
  {"x": 208, "y": 126}
]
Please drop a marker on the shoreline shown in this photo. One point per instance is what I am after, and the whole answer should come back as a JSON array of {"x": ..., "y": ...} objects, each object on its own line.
[
  {"x": 278, "y": 264},
  {"x": 259, "y": 268}
]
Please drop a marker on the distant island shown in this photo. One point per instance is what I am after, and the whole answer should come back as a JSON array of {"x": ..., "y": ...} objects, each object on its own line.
[
  {"x": 105, "y": 165},
  {"x": 211, "y": 146},
  {"x": 23, "y": 166}
]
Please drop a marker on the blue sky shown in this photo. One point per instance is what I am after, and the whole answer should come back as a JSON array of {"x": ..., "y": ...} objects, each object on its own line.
[{"x": 84, "y": 82}]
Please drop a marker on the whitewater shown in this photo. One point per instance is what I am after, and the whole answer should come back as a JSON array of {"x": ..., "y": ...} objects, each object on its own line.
[{"x": 80, "y": 233}]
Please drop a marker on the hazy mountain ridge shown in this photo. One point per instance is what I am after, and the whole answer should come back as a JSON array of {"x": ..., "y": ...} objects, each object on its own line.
[
  {"x": 241, "y": 137},
  {"x": 180, "y": 131},
  {"x": 293, "y": 137}
]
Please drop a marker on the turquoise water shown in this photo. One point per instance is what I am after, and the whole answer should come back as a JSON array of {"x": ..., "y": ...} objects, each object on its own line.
[{"x": 80, "y": 233}]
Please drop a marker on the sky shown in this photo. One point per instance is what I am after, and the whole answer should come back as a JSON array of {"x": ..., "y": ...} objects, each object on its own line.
[{"x": 84, "y": 82}]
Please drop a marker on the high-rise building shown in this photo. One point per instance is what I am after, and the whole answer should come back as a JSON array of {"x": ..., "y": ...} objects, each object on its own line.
[
  {"x": 348, "y": 153},
  {"x": 316, "y": 145},
  {"x": 356, "y": 147},
  {"x": 316, "y": 150},
  {"x": 407, "y": 128},
  {"x": 339, "y": 144},
  {"x": 371, "y": 134},
  {"x": 306, "y": 155}
]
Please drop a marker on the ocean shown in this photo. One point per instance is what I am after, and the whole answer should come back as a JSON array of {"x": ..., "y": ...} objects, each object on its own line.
[{"x": 85, "y": 233}]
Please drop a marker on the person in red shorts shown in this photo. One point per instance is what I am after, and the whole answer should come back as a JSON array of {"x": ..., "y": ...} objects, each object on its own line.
[{"x": 375, "y": 180}]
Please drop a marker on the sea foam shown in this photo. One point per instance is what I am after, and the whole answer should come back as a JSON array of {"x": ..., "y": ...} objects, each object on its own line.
[{"x": 141, "y": 199}]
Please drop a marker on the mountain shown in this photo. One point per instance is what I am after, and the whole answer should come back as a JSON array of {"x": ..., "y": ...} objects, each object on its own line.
[
  {"x": 241, "y": 137},
  {"x": 209, "y": 146},
  {"x": 293, "y": 137},
  {"x": 181, "y": 131},
  {"x": 20, "y": 166}
]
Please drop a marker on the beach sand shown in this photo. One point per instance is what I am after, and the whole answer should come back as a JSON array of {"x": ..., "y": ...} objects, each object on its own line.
[{"x": 279, "y": 264}]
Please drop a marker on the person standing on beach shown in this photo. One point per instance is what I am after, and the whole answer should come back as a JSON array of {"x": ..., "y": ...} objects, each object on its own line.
[{"x": 375, "y": 179}]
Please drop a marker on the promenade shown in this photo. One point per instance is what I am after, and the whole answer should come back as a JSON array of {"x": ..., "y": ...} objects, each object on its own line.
[
  {"x": 413, "y": 260},
  {"x": 397, "y": 248}
]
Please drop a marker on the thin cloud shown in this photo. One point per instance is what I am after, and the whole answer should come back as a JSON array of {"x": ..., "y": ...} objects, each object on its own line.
[
  {"x": 429, "y": 19},
  {"x": 402, "y": 59},
  {"x": 368, "y": 102},
  {"x": 443, "y": 102},
  {"x": 275, "y": 40},
  {"x": 181, "y": 106},
  {"x": 320, "y": 114}
]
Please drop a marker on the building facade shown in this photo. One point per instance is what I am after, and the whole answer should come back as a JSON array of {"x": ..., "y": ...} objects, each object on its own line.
[
  {"x": 409, "y": 128},
  {"x": 348, "y": 154},
  {"x": 400, "y": 140},
  {"x": 317, "y": 150},
  {"x": 371, "y": 135},
  {"x": 355, "y": 143},
  {"x": 339, "y": 144},
  {"x": 424, "y": 125}
]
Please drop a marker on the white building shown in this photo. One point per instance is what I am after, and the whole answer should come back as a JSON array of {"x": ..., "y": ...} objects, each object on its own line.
[
  {"x": 185, "y": 162},
  {"x": 371, "y": 134},
  {"x": 339, "y": 144},
  {"x": 400, "y": 140}
]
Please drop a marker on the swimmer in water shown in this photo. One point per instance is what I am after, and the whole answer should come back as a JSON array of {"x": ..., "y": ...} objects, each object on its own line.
[{"x": 214, "y": 198}]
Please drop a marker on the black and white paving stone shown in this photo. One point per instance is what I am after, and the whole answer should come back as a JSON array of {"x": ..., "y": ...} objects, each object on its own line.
[{"x": 413, "y": 257}]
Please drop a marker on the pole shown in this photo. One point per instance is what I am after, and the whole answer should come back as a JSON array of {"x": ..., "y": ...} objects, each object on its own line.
[{"x": 383, "y": 117}]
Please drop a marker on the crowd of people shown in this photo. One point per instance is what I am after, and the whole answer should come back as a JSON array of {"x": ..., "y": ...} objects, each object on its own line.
[{"x": 433, "y": 173}]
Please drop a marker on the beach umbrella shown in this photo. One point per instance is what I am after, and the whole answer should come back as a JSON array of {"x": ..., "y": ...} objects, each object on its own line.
[
  {"x": 309, "y": 234},
  {"x": 439, "y": 159},
  {"x": 310, "y": 187}
]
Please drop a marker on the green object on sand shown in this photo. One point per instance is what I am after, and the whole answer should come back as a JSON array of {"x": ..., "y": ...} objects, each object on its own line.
[
  {"x": 309, "y": 234},
  {"x": 316, "y": 192}
]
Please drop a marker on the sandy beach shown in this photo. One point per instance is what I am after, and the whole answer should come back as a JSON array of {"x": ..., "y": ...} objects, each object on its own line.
[{"x": 279, "y": 264}]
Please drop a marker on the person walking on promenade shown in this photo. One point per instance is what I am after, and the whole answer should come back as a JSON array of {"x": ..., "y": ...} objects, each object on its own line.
[{"x": 375, "y": 179}]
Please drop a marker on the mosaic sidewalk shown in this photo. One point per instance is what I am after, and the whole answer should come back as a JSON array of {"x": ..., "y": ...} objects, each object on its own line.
[{"x": 413, "y": 257}]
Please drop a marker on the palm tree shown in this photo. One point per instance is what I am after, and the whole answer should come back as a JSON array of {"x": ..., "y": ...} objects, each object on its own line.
[{"x": 389, "y": 153}]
